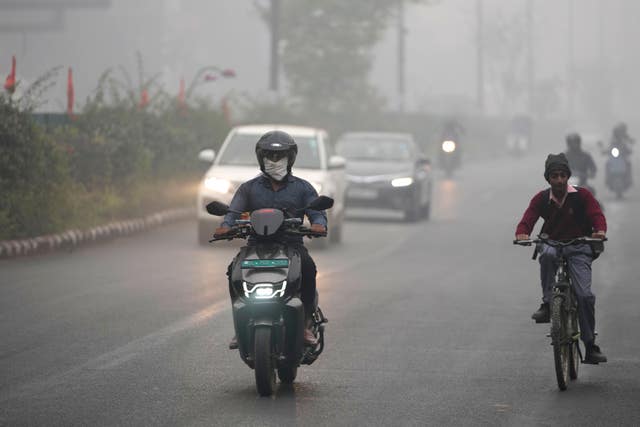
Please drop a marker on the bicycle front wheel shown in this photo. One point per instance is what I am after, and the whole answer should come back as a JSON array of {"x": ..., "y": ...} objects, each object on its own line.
[{"x": 561, "y": 345}]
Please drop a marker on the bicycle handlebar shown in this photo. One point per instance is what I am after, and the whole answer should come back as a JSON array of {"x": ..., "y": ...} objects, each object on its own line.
[{"x": 557, "y": 243}]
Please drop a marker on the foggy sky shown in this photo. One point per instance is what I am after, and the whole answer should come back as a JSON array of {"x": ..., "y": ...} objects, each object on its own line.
[{"x": 177, "y": 37}]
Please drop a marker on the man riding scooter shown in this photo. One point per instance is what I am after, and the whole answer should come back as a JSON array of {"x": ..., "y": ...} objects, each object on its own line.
[{"x": 277, "y": 188}]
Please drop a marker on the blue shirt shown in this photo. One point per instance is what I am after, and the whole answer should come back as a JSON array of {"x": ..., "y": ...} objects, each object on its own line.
[{"x": 258, "y": 193}]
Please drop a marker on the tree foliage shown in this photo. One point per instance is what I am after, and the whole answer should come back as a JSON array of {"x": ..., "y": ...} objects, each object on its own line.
[{"x": 326, "y": 49}]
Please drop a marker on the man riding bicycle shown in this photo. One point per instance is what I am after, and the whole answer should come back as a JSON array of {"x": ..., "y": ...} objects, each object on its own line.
[{"x": 568, "y": 212}]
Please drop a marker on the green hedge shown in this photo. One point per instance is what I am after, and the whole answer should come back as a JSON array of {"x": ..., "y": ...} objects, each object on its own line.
[{"x": 112, "y": 161}]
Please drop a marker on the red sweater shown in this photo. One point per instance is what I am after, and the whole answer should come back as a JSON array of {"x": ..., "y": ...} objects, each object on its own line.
[{"x": 563, "y": 223}]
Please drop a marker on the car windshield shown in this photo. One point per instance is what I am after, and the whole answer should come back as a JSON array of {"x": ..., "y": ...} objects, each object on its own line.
[
  {"x": 240, "y": 151},
  {"x": 387, "y": 149}
]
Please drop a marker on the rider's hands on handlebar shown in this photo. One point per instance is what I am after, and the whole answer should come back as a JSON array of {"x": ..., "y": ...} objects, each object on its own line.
[
  {"x": 522, "y": 237},
  {"x": 221, "y": 231},
  {"x": 318, "y": 228},
  {"x": 599, "y": 235}
]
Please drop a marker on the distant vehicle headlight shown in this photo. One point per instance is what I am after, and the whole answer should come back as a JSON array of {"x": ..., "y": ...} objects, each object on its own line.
[
  {"x": 448, "y": 146},
  {"x": 317, "y": 186},
  {"x": 615, "y": 152},
  {"x": 402, "y": 182},
  {"x": 217, "y": 184},
  {"x": 264, "y": 290}
]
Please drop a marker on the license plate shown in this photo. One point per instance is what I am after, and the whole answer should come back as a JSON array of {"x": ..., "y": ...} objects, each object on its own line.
[
  {"x": 362, "y": 193},
  {"x": 265, "y": 263}
]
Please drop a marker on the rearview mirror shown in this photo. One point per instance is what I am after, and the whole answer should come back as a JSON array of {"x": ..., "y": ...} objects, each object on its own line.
[
  {"x": 217, "y": 208},
  {"x": 321, "y": 203},
  {"x": 207, "y": 155}
]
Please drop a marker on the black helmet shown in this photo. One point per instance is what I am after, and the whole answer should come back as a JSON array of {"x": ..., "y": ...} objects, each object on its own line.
[
  {"x": 276, "y": 142},
  {"x": 573, "y": 141}
]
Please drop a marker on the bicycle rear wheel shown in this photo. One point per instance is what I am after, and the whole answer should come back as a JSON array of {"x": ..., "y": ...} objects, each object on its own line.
[{"x": 561, "y": 346}]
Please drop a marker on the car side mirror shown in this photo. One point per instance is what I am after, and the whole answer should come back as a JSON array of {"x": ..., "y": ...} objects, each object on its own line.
[
  {"x": 337, "y": 162},
  {"x": 217, "y": 208},
  {"x": 207, "y": 155},
  {"x": 321, "y": 203}
]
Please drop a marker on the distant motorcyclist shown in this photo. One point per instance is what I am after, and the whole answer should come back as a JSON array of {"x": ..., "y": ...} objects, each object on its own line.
[
  {"x": 580, "y": 161},
  {"x": 277, "y": 188},
  {"x": 568, "y": 213},
  {"x": 621, "y": 140}
]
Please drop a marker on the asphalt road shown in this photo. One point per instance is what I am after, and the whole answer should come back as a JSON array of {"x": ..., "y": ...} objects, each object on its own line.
[{"x": 429, "y": 325}]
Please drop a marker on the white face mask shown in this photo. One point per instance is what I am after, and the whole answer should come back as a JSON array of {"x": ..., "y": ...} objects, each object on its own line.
[{"x": 276, "y": 170}]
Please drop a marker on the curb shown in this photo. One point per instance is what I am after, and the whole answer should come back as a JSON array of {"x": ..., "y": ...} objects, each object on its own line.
[{"x": 70, "y": 239}]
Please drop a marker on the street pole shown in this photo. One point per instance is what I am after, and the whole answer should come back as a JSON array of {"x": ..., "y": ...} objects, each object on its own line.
[
  {"x": 275, "y": 42},
  {"x": 530, "y": 60},
  {"x": 571, "y": 63},
  {"x": 401, "y": 56},
  {"x": 480, "y": 56}
]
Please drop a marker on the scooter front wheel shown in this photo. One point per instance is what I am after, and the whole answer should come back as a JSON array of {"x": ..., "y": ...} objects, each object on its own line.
[{"x": 263, "y": 364}]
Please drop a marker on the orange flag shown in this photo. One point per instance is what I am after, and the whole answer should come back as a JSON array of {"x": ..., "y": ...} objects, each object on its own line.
[
  {"x": 10, "y": 83},
  {"x": 70, "y": 93}
]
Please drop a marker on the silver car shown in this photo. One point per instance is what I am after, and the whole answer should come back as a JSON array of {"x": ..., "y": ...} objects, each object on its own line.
[
  {"x": 237, "y": 163},
  {"x": 387, "y": 170}
]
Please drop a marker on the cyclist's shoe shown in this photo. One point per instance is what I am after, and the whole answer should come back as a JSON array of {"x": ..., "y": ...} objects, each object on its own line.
[
  {"x": 233, "y": 345},
  {"x": 542, "y": 314},
  {"x": 594, "y": 355}
]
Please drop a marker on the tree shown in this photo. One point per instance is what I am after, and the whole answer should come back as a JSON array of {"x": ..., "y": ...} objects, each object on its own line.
[{"x": 326, "y": 52}]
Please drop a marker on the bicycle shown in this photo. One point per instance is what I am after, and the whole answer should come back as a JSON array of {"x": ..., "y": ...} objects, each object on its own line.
[{"x": 565, "y": 328}]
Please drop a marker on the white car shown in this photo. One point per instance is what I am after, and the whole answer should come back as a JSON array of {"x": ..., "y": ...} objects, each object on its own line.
[{"x": 237, "y": 163}]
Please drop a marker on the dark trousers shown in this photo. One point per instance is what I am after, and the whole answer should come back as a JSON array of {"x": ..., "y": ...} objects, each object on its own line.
[{"x": 308, "y": 286}]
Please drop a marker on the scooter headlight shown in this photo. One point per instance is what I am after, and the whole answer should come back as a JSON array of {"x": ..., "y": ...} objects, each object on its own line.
[
  {"x": 264, "y": 290},
  {"x": 615, "y": 152},
  {"x": 448, "y": 146}
]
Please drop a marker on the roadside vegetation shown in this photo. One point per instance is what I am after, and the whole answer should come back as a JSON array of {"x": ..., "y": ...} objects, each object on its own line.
[{"x": 117, "y": 158}]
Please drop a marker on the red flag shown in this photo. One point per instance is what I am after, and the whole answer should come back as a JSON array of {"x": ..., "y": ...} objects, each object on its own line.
[
  {"x": 70, "y": 94},
  {"x": 10, "y": 83},
  {"x": 144, "y": 99},
  {"x": 181, "y": 95}
]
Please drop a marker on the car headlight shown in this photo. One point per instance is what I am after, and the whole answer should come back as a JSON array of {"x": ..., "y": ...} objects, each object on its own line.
[
  {"x": 402, "y": 182},
  {"x": 317, "y": 186},
  {"x": 448, "y": 146},
  {"x": 264, "y": 290},
  {"x": 218, "y": 185}
]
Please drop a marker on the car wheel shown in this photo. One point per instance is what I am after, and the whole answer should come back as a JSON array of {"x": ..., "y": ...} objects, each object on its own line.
[
  {"x": 412, "y": 212},
  {"x": 425, "y": 211},
  {"x": 335, "y": 232},
  {"x": 205, "y": 232}
]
